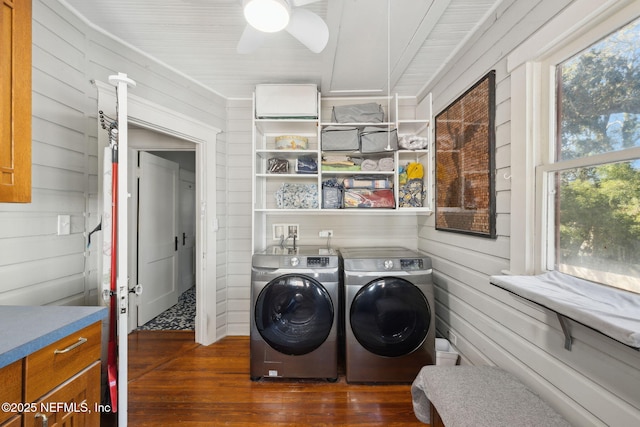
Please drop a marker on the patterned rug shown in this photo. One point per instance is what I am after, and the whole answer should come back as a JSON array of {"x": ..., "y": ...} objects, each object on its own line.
[{"x": 179, "y": 317}]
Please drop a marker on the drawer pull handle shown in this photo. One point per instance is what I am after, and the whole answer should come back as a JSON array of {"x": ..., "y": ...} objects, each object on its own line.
[
  {"x": 81, "y": 341},
  {"x": 45, "y": 420}
]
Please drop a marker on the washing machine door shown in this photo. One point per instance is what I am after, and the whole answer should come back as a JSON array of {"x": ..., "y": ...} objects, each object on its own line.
[
  {"x": 294, "y": 314},
  {"x": 390, "y": 317}
]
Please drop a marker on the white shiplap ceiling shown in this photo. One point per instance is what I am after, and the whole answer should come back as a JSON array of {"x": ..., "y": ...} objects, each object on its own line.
[{"x": 373, "y": 44}]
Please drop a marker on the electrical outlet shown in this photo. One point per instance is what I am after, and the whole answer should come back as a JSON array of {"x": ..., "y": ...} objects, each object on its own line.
[
  {"x": 286, "y": 231},
  {"x": 453, "y": 338},
  {"x": 325, "y": 233},
  {"x": 279, "y": 231},
  {"x": 293, "y": 230}
]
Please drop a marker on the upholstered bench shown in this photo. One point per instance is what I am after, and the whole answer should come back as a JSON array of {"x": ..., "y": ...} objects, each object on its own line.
[{"x": 479, "y": 396}]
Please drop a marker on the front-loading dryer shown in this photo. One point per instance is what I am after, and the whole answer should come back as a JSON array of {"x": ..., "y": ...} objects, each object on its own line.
[
  {"x": 389, "y": 314},
  {"x": 294, "y": 313}
]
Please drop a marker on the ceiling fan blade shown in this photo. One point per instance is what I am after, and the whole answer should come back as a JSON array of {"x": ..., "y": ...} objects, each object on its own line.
[
  {"x": 309, "y": 29},
  {"x": 250, "y": 40},
  {"x": 303, "y": 2}
]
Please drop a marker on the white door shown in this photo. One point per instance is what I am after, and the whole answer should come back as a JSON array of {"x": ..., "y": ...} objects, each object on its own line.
[
  {"x": 157, "y": 236},
  {"x": 187, "y": 235}
]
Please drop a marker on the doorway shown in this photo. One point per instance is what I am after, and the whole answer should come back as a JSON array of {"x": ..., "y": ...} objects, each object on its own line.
[
  {"x": 163, "y": 213},
  {"x": 137, "y": 112}
]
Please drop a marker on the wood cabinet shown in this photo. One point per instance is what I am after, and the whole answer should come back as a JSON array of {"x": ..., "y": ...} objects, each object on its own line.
[
  {"x": 16, "y": 421},
  {"x": 11, "y": 391},
  {"x": 61, "y": 384},
  {"x": 52, "y": 365},
  {"x": 73, "y": 403},
  {"x": 15, "y": 101}
]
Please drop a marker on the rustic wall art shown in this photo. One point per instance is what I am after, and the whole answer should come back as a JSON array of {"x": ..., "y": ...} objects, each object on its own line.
[{"x": 465, "y": 164}]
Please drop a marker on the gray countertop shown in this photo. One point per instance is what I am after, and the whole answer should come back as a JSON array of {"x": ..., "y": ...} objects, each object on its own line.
[{"x": 26, "y": 329}]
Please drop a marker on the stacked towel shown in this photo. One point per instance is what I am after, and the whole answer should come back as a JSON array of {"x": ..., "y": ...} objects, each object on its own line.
[
  {"x": 385, "y": 164},
  {"x": 369, "y": 165}
]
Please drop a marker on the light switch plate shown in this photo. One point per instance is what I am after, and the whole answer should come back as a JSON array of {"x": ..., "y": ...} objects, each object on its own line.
[{"x": 64, "y": 225}]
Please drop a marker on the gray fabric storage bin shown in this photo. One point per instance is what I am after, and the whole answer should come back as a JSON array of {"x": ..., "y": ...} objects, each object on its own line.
[
  {"x": 378, "y": 140},
  {"x": 358, "y": 113},
  {"x": 338, "y": 138}
]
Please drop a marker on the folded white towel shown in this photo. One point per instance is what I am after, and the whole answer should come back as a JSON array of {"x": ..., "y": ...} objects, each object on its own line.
[
  {"x": 369, "y": 165},
  {"x": 385, "y": 164}
]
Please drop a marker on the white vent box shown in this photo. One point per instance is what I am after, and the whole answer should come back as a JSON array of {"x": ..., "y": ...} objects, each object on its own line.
[{"x": 280, "y": 101}]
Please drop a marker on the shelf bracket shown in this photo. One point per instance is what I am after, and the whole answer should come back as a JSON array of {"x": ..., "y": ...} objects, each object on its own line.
[{"x": 564, "y": 324}]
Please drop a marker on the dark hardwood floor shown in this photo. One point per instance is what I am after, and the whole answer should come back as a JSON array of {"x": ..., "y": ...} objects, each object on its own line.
[{"x": 174, "y": 381}]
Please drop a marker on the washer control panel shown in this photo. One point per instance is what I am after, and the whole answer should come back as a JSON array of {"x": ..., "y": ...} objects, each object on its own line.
[
  {"x": 308, "y": 261},
  {"x": 317, "y": 261}
]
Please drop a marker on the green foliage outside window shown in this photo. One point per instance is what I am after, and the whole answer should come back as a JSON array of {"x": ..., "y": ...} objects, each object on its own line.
[{"x": 598, "y": 207}]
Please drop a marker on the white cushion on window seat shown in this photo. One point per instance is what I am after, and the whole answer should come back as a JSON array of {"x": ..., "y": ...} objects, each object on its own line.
[{"x": 610, "y": 311}]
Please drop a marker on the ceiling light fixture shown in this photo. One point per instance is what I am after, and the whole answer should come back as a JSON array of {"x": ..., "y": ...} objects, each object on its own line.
[{"x": 268, "y": 16}]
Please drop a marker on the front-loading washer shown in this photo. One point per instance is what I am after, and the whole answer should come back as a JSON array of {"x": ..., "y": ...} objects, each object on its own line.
[
  {"x": 389, "y": 314},
  {"x": 295, "y": 300}
]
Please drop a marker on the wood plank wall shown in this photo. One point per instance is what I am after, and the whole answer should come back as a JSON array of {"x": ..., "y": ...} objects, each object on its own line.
[
  {"x": 598, "y": 382},
  {"x": 36, "y": 265},
  {"x": 238, "y": 215}
]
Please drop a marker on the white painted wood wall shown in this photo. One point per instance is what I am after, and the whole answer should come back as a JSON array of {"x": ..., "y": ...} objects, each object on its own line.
[
  {"x": 598, "y": 382},
  {"x": 37, "y": 266},
  {"x": 238, "y": 209}
]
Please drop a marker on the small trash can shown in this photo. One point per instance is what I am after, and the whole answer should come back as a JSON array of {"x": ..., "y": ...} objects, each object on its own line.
[{"x": 445, "y": 355}]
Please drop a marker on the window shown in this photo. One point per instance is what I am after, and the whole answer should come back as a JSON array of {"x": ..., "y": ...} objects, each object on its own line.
[{"x": 590, "y": 175}]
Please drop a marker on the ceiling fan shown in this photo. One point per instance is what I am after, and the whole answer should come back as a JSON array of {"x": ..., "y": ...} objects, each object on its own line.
[{"x": 270, "y": 16}]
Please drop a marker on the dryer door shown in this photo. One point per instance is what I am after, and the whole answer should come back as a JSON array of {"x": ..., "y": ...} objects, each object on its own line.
[
  {"x": 294, "y": 314},
  {"x": 390, "y": 317}
]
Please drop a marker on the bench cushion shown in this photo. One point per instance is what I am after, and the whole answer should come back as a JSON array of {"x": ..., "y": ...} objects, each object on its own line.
[{"x": 479, "y": 396}]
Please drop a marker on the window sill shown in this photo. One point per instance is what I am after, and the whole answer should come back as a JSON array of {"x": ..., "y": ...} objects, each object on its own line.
[{"x": 609, "y": 311}]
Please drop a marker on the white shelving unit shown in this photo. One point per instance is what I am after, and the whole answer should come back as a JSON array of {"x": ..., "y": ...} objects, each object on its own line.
[{"x": 401, "y": 113}]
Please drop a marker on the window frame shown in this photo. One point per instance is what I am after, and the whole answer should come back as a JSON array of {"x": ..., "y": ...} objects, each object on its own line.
[{"x": 533, "y": 124}]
